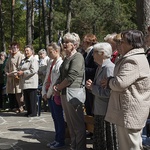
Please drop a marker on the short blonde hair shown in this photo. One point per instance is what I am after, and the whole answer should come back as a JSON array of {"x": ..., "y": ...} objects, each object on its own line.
[
  {"x": 55, "y": 46},
  {"x": 109, "y": 37}
]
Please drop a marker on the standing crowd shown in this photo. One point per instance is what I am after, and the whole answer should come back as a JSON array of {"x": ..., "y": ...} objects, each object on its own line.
[{"x": 113, "y": 77}]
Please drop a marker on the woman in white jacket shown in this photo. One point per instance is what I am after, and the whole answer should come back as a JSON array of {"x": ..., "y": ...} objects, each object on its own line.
[
  {"x": 28, "y": 74},
  {"x": 54, "y": 100}
]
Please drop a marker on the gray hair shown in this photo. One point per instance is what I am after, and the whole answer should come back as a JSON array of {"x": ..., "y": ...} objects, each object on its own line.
[
  {"x": 30, "y": 47},
  {"x": 109, "y": 36},
  {"x": 103, "y": 47},
  {"x": 3, "y": 53},
  {"x": 42, "y": 51},
  {"x": 72, "y": 37}
]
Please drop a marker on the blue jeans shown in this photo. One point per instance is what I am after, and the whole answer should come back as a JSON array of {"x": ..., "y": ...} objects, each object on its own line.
[{"x": 58, "y": 118}]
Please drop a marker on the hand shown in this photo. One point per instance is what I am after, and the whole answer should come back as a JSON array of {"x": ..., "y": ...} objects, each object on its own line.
[
  {"x": 45, "y": 97},
  {"x": 103, "y": 83},
  {"x": 8, "y": 74},
  {"x": 55, "y": 90},
  {"x": 20, "y": 73},
  {"x": 89, "y": 84}
]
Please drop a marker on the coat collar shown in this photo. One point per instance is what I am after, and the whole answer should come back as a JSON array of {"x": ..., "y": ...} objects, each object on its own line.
[{"x": 134, "y": 52}]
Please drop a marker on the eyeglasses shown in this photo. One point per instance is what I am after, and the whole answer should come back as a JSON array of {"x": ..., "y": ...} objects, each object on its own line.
[
  {"x": 14, "y": 47},
  {"x": 66, "y": 42}
]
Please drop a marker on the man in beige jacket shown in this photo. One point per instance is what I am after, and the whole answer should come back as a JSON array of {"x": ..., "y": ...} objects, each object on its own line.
[{"x": 12, "y": 84}]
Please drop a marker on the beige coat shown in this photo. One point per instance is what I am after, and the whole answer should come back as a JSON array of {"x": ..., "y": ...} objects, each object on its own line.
[
  {"x": 129, "y": 101},
  {"x": 12, "y": 84}
]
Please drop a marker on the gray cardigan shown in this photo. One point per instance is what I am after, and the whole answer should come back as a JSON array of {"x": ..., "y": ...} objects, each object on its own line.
[
  {"x": 101, "y": 95},
  {"x": 72, "y": 69}
]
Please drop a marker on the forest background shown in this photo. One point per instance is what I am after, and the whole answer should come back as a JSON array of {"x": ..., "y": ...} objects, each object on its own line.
[{"x": 39, "y": 22}]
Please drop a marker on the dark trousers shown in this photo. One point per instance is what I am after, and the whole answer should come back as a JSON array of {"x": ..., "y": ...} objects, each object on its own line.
[
  {"x": 1, "y": 96},
  {"x": 58, "y": 118},
  {"x": 12, "y": 101},
  {"x": 30, "y": 98},
  {"x": 89, "y": 103}
]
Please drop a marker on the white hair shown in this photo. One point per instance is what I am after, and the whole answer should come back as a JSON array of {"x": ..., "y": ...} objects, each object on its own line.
[
  {"x": 42, "y": 51},
  {"x": 103, "y": 47},
  {"x": 72, "y": 37}
]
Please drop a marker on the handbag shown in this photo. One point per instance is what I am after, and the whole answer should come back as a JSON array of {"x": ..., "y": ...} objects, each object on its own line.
[
  {"x": 76, "y": 96},
  {"x": 57, "y": 99}
]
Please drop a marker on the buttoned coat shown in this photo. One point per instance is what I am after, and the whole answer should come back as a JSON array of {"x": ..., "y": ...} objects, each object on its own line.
[
  {"x": 101, "y": 95},
  {"x": 12, "y": 84},
  {"x": 29, "y": 80},
  {"x": 129, "y": 101}
]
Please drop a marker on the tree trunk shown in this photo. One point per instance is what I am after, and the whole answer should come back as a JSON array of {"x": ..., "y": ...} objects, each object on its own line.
[
  {"x": 51, "y": 18},
  {"x": 40, "y": 35},
  {"x": 143, "y": 14},
  {"x": 12, "y": 20},
  {"x": 29, "y": 23},
  {"x": 46, "y": 32},
  {"x": 2, "y": 37},
  {"x": 32, "y": 27},
  {"x": 69, "y": 15}
]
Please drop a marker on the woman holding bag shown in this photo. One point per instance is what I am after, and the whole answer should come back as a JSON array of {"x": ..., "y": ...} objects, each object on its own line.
[
  {"x": 54, "y": 101},
  {"x": 71, "y": 76}
]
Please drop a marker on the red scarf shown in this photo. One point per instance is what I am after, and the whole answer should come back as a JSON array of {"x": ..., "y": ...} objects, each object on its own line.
[{"x": 48, "y": 83}]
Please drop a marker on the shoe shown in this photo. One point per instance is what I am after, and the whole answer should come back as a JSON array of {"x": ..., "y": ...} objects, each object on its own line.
[
  {"x": 32, "y": 115},
  {"x": 17, "y": 111},
  {"x": 26, "y": 114},
  {"x": 21, "y": 110},
  {"x": 57, "y": 146},
  {"x": 51, "y": 144}
]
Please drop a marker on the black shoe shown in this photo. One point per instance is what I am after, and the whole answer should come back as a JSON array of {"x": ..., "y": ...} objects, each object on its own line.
[
  {"x": 31, "y": 115},
  {"x": 26, "y": 115},
  {"x": 89, "y": 135}
]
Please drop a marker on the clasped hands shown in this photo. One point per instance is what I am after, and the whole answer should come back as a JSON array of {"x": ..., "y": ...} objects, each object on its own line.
[{"x": 103, "y": 83}]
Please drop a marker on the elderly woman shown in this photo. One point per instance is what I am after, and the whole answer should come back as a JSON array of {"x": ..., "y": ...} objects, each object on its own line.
[
  {"x": 28, "y": 74},
  {"x": 43, "y": 63},
  {"x": 71, "y": 75},
  {"x": 104, "y": 132},
  {"x": 129, "y": 101}
]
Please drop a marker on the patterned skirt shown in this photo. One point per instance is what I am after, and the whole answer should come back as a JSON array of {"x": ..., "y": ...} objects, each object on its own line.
[{"x": 104, "y": 136}]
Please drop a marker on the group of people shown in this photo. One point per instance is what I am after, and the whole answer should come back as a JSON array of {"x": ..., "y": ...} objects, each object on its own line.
[
  {"x": 118, "y": 80},
  {"x": 117, "y": 85}
]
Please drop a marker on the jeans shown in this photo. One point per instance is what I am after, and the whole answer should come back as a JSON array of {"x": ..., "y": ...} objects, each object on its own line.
[{"x": 58, "y": 118}]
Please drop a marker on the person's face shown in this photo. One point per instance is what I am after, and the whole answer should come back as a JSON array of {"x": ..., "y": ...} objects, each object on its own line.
[
  {"x": 14, "y": 49},
  {"x": 2, "y": 57},
  {"x": 85, "y": 43},
  {"x": 42, "y": 55},
  {"x": 113, "y": 44},
  {"x": 124, "y": 46},
  {"x": 68, "y": 47},
  {"x": 51, "y": 52},
  {"x": 28, "y": 52},
  {"x": 98, "y": 57}
]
